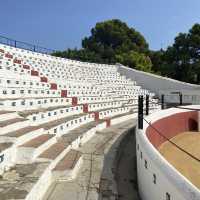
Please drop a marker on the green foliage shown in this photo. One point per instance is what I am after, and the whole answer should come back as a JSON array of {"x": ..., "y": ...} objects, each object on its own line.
[
  {"x": 157, "y": 60},
  {"x": 181, "y": 61},
  {"x": 139, "y": 60},
  {"x": 81, "y": 55},
  {"x": 110, "y": 42},
  {"x": 114, "y": 36}
]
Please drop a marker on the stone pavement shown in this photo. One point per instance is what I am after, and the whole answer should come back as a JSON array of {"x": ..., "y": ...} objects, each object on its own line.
[
  {"x": 17, "y": 183},
  {"x": 126, "y": 176}
]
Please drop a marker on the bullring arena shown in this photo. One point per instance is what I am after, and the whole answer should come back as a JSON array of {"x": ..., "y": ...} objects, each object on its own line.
[{"x": 64, "y": 125}]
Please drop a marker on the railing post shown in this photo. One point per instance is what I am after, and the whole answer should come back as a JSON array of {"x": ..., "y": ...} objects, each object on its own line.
[
  {"x": 140, "y": 112},
  {"x": 181, "y": 99},
  {"x": 147, "y": 104},
  {"x": 162, "y": 101}
]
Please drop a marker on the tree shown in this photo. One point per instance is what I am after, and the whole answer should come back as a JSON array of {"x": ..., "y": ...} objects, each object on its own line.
[
  {"x": 114, "y": 37},
  {"x": 110, "y": 42},
  {"x": 139, "y": 60},
  {"x": 157, "y": 61},
  {"x": 182, "y": 60}
]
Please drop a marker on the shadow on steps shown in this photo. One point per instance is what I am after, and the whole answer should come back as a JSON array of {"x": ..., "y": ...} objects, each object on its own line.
[{"x": 124, "y": 170}]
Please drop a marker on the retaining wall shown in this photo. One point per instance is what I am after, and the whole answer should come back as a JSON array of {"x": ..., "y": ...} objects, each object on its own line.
[
  {"x": 152, "y": 165},
  {"x": 162, "y": 85}
]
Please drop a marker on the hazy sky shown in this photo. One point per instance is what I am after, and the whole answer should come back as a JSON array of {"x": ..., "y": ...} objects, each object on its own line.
[{"x": 59, "y": 24}]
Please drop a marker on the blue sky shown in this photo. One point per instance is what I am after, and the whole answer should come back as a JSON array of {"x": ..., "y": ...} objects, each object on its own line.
[{"x": 59, "y": 24}]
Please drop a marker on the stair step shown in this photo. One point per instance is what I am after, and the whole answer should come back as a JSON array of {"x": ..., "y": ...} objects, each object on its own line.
[
  {"x": 11, "y": 121},
  {"x": 7, "y": 115},
  {"x": 4, "y": 146},
  {"x": 27, "y": 113},
  {"x": 69, "y": 161},
  {"x": 2, "y": 112},
  {"x": 77, "y": 132},
  {"x": 21, "y": 131},
  {"x": 53, "y": 151},
  {"x": 36, "y": 142},
  {"x": 63, "y": 142},
  {"x": 51, "y": 124}
]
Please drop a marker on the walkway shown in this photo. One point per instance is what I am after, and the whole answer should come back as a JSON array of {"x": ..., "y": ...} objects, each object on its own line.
[
  {"x": 96, "y": 177},
  {"x": 126, "y": 175}
]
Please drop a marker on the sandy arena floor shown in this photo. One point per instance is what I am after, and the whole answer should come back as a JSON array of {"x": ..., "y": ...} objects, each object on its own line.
[{"x": 188, "y": 166}]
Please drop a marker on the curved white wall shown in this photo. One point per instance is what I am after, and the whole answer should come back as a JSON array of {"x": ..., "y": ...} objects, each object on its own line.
[
  {"x": 168, "y": 179},
  {"x": 162, "y": 85}
]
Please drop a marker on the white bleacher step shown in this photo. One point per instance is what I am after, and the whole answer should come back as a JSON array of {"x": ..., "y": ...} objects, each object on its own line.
[
  {"x": 22, "y": 105},
  {"x": 53, "y": 151},
  {"x": 6, "y": 115},
  {"x": 25, "y": 153},
  {"x": 51, "y": 124},
  {"x": 38, "y": 117},
  {"x": 73, "y": 138},
  {"x": 5, "y": 145},
  {"x": 28, "y": 113},
  {"x": 12, "y": 124},
  {"x": 22, "y": 135},
  {"x": 67, "y": 167}
]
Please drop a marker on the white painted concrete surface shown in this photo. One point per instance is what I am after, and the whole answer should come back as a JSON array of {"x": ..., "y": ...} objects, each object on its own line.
[{"x": 168, "y": 178}]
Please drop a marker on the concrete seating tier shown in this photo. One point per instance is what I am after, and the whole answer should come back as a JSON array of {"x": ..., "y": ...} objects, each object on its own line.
[
  {"x": 49, "y": 108},
  {"x": 21, "y": 104}
]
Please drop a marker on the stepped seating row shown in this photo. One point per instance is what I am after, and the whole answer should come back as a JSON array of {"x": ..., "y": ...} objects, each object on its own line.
[
  {"x": 59, "y": 121},
  {"x": 18, "y": 82},
  {"x": 49, "y": 113},
  {"x": 60, "y": 160},
  {"x": 15, "y": 62},
  {"x": 39, "y": 84},
  {"x": 35, "y": 103},
  {"x": 9, "y": 92},
  {"x": 75, "y": 69}
]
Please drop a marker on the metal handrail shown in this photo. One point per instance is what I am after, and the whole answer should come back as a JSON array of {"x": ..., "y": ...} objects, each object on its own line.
[{"x": 25, "y": 45}]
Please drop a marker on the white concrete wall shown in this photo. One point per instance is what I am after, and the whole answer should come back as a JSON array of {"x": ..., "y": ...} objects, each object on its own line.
[
  {"x": 168, "y": 179},
  {"x": 158, "y": 84}
]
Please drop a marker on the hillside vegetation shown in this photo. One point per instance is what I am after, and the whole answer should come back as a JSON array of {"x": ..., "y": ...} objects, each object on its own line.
[{"x": 113, "y": 41}]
